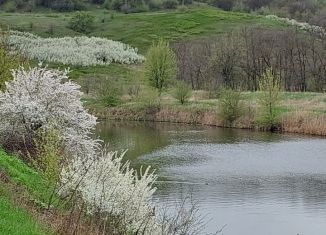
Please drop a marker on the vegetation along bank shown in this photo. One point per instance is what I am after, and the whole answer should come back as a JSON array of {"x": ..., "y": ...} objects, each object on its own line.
[{"x": 251, "y": 65}]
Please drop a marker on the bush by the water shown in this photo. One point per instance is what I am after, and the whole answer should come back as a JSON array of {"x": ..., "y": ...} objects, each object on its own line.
[
  {"x": 269, "y": 100},
  {"x": 182, "y": 91},
  {"x": 229, "y": 105},
  {"x": 44, "y": 106}
]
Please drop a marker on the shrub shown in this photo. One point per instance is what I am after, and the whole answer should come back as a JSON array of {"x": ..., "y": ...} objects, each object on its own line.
[
  {"x": 170, "y": 4},
  {"x": 225, "y": 5},
  {"x": 82, "y": 22},
  {"x": 150, "y": 98},
  {"x": 107, "y": 4},
  {"x": 49, "y": 159},
  {"x": 116, "y": 5},
  {"x": 111, "y": 100},
  {"x": 155, "y": 4},
  {"x": 182, "y": 92},
  {"x": 63, "y": 5},
  {"x": 10, "y": 6},
  {"x": 83, "y": 50},
  {"x": 98, "y": 1},
  {"x": 43, "y": 102},
  {"x": 230, "y": 108},
  {"x": 114, "y": 193},
  {"x": 133, "y": 90},
  {"x": 256, "y": 4},
  {"x": 48, "y": 145},
  {"x": 108, "y": 91},
  {"x": 185, "y": 2},
  {"x": 269, "y": 99},
  {"x": 42, "y": 99},
  {"x": 160, "y": 65},
  {"x": 314, "y": 29}
]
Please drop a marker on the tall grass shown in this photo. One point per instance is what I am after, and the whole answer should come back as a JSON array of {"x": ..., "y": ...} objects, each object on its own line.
[{"x": 305, "y": 122}]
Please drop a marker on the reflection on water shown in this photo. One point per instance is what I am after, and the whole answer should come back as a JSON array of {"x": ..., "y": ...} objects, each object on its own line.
[{"x": 256, "y": 183}]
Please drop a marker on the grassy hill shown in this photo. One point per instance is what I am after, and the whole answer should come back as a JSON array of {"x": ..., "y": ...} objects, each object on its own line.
[{"x": 140, "y": 29}]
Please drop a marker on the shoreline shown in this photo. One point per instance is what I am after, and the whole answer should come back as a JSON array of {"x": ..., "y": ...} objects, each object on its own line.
[{"x": 292, "y": 122}]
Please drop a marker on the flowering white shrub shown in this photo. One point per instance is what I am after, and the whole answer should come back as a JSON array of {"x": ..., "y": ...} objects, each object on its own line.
[
  {"x": 317, "y": 30},
  {"x": 82, "y": 50},
  {"x": 111, "y": 188},
  {"x": 42, "y": 98}
]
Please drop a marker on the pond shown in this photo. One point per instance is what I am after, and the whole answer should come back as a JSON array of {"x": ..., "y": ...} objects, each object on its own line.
[{"x": 252, "y": 182}]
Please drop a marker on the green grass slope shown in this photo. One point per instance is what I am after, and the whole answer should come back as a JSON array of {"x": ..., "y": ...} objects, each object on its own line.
[{"x": 14, "y": 219}]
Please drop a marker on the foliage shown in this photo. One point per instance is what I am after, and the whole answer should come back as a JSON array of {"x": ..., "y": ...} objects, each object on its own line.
[
  {"x": 64, "y": 5},
  {"x": 44, "y": 102},
  {"x": 150, "y": 98},
  {"x": 108, "y": 91},
  {"x": 170, "y": 4},
  {"x": 8, "y": 60},
  {"x": 182, "y": 92},
  {"x": 83, "y": 50},
  {"x": 111, "y": 189},
  {"x": 269, "y": 99},
  {"x": 42, "y": 99},
  {"x": 160, "y": 65},
  {"x": 82, "y": 22},
  {"x": 49, "y": 158},
  {"x": 314, "y": 29},
  {"x": 230, "y": 108},
  {"x": 226, "y": 5}
]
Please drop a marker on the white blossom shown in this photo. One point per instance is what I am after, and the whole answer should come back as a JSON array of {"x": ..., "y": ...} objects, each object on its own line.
[
  {"x": 45, "y": 98},
  {"x": 317, "y": 30},
  {"x": 110, "y": 187},
  {"x": 84, "y": 51}
]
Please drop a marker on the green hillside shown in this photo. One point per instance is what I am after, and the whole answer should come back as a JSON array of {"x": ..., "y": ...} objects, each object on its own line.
[{"x": 140, "y": 29}]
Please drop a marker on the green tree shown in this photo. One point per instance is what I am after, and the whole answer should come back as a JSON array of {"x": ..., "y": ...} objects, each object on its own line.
[
  {"x": 269, "y": 99},
  {"x": 182, "y": 91},
  {"x": 160, "y": 65},
  {"x": 230, "y": 108},
  {"x": 82, "y": 22}
]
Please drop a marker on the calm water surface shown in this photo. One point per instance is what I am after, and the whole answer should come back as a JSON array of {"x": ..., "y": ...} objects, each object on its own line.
[{"x": 255, "y": 183}]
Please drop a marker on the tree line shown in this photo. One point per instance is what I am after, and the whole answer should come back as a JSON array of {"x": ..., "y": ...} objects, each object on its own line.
[{"x": 239, "y": 60}]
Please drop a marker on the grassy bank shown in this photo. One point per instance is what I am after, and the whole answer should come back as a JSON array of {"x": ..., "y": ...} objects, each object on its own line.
[
  {"x": 300, "y": 112},
  {"x": 20, "y": 186}
]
